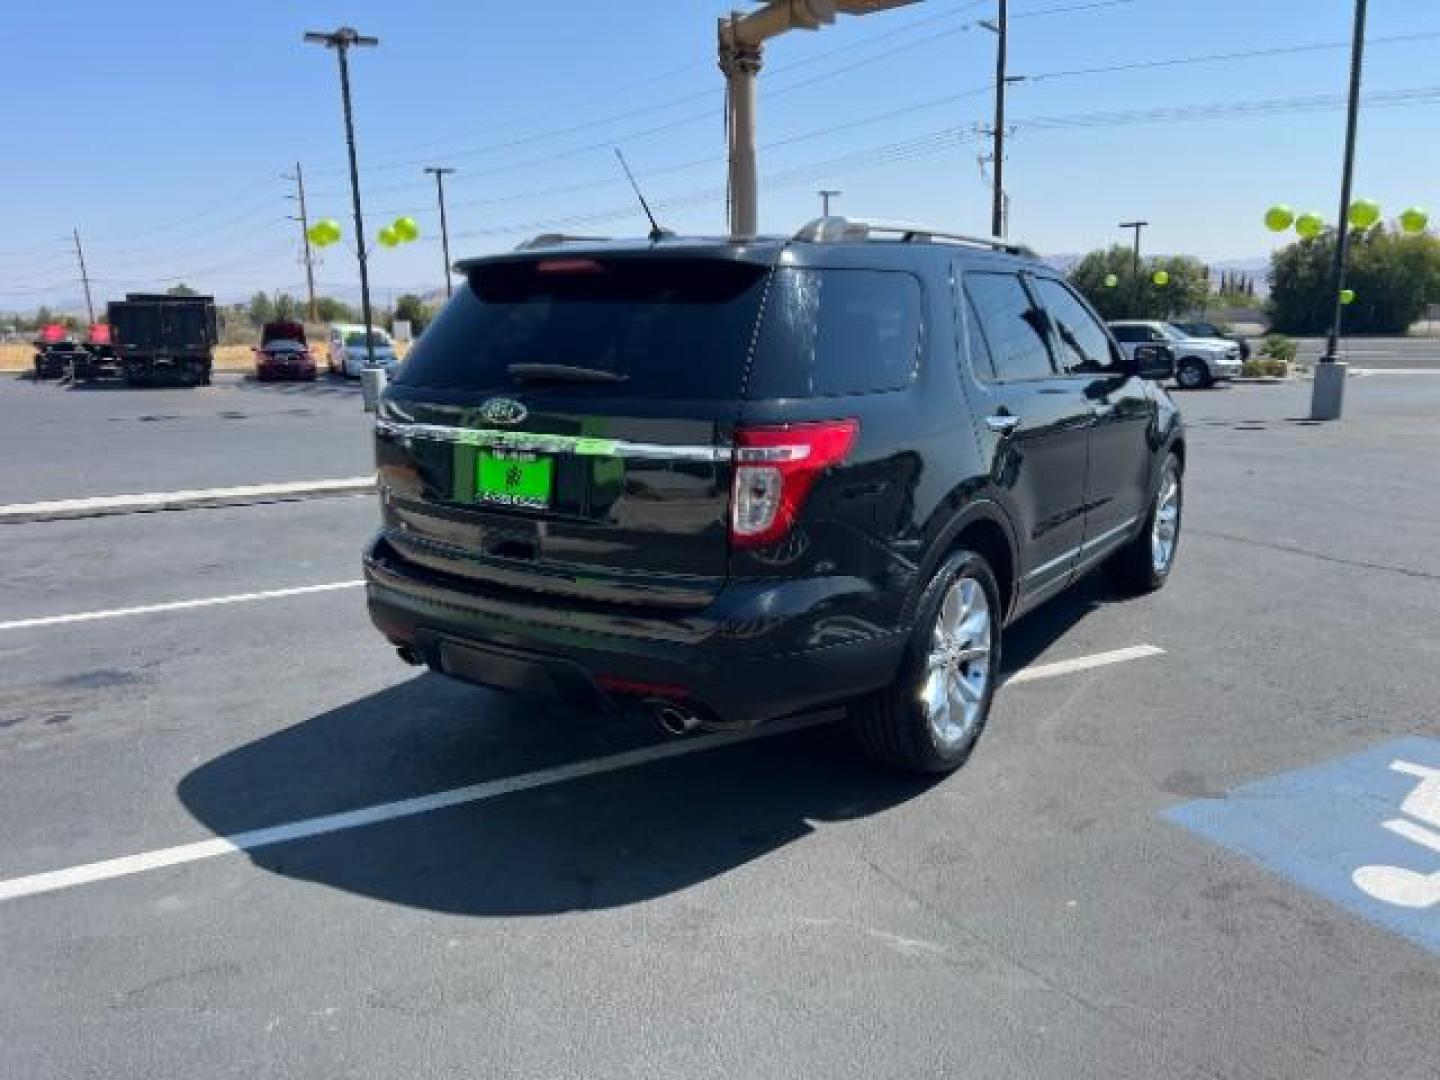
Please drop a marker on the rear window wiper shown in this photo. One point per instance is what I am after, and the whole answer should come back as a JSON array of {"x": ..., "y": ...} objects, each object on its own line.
[{"x": 563, "y": 373}]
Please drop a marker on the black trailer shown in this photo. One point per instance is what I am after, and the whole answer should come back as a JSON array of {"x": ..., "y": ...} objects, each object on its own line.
[{"x": 160, "y": 338}]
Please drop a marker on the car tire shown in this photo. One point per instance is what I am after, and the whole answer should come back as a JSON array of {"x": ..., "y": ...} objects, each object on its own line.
[
  {"x": 1138, "y": 567},
  {"x": 899, "y": 726},
  {"x": 1193, "y": 374}
]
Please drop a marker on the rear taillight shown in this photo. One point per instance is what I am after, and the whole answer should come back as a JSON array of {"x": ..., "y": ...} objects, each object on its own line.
[{"x": 774, "y": 469}]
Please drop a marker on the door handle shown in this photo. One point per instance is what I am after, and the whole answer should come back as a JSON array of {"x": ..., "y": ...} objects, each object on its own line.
[{"x": 1002, "y": 423}]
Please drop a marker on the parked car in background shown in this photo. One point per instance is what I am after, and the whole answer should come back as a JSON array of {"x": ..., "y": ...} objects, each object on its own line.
[
  {"x": 1199, "y": 362},
  {"x": 283, "y": 353},
  {"x": 1211, "y": 330},
  {"x": 346, "y": 354},
  {"x": 729, "y": 481}
]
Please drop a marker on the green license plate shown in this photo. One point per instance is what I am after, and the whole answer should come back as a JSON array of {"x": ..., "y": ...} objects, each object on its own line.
[{"x": 514, "y": 478}]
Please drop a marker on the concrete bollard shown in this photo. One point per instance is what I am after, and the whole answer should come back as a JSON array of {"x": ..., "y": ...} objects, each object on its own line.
[{"x": 372, "y": 385}]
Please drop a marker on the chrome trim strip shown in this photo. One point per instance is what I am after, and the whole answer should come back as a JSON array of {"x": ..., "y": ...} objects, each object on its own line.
[
  {"x": 1080, "y": 549},
  {"x": 582, "y": 445}
]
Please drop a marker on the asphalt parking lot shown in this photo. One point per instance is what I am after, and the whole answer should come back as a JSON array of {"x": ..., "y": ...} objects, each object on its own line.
[{"x": 241, "y": 839}]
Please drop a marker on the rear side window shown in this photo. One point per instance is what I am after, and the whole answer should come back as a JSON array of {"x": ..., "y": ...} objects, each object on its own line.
[
  {"x": 1013, "y": 326},
  {"x": 1083, "y": 344},
  {"x": 672, "y": 328},
  {"x": 1129, "y": 334},
  {"x": 830, "y": 332}
]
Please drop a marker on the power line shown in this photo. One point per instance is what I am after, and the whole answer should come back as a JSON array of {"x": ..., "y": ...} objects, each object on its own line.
[{"x": 1214, "y": 58}]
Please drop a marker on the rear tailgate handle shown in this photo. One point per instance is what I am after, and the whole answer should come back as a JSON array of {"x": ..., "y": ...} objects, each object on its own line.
[{"x": 1002, "y": 423}]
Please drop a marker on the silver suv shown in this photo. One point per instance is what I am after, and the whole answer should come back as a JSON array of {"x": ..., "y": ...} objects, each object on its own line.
[{"x": 1199, "y": 362}]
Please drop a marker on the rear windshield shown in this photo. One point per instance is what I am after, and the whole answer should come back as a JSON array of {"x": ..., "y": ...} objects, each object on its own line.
[
  {"x": 671, "y": 327},
  {"x": 674, "y": 328}
]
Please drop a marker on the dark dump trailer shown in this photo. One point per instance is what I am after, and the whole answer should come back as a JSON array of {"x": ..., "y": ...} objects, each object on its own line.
[{"x": 157, "y": 338}]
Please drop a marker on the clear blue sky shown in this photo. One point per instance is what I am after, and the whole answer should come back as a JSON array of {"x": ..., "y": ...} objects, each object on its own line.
[{"x": 160, "y": 128}]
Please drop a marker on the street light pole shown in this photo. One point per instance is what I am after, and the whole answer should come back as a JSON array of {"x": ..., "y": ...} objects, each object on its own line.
[
  {"x": 440, "y": 174},
  {"x": 1135, "y": 263},
  {"x": 1327, "y": 393},
  {"x": 342, "y": 40},
  {"x": 826, "y": 194}
]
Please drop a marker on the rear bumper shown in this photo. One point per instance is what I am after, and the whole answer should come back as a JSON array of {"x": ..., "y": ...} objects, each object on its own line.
[
  {"x": 717, "y": 659},
  {"x": 285, "y": 371}
]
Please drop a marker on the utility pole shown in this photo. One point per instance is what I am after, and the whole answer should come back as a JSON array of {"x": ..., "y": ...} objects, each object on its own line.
[
  {"x": 826, "y": 194},
  {"x": 342, "y": 40},
  {"x": 742, "y": 38},
  {"x": 1001, "y": 28},
  {"x": 1135, "y": 264},
  {"x": 1327, "y": 394},
  {"x": 85, "y": 277},
  {"x": 299, "y": 179},
  {"x": 440, "y": 174}
]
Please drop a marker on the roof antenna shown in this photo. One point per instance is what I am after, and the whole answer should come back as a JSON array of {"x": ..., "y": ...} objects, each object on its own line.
[{"x": 656, "y": 232}]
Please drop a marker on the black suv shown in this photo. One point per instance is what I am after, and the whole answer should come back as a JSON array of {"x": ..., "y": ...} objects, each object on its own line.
[{"x": 731, "y": 480}]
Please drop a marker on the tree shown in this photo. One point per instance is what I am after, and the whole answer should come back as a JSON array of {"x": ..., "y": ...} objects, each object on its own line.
[
  {"x": 181, "y": 289},
  {"x": 1186, "y": 290},
  {"x": 328, "y": 309},
  {"x": 262, "y": 309},
  {"x": 1393, "y": 276},
  {"x": 413, "y": 310},
  {"x": 287, "y": 308}
]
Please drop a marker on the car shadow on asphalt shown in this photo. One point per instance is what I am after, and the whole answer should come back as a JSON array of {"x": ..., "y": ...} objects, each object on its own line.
[
  {"x": 607, "y": 840},
  {"x": 323, "y": 386}
]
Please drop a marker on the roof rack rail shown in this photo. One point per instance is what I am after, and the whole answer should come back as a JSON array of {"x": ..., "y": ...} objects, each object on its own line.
[
  {"x": 836, "y": 229},
  {"x": 551, "y": 239}
]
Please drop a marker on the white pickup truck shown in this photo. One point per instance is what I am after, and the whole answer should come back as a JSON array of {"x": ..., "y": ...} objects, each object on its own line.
[{"x": 1199, "y": 362}]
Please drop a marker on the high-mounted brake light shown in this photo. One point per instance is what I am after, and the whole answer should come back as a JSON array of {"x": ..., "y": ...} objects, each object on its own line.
[
  {"x": 775, "y": 468},
  {"x": 568, "y": 266}
]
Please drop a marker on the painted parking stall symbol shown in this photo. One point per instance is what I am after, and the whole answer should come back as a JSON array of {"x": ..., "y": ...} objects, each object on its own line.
[{"x": 1363, "y": 832}]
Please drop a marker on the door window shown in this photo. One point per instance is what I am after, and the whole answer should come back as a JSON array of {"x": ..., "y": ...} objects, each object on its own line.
[
  {"x": 1083, "y": 345},
  {"x": 1012, "y": 325}
]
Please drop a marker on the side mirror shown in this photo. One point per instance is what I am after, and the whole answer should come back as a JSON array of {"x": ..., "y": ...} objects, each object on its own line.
[{"x": 1154, "y": 362}]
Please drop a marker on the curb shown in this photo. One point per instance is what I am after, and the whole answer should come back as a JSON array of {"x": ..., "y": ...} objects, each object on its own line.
[{"x": 154, "y": 501}]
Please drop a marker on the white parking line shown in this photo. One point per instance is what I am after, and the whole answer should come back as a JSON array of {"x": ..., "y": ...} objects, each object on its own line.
[
  {"x": 169, "y": 500},
  {"x": 175, "y": 605},
  {"x": 1083, "y": 663},
  {"x": 90, "y": 873}
]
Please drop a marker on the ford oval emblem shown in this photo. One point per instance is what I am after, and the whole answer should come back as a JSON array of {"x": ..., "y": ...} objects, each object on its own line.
[{"x": 503, "y": 410}]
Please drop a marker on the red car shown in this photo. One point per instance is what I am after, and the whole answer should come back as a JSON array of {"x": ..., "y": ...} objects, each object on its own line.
[{"x": 283, "y": 353}]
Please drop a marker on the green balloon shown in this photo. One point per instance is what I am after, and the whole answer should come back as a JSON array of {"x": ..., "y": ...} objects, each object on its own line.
[
  {"x": 1161, "y": 278},
  {"x": 1279, "y": 218},
  {"x": 1414, "y": 220},
  {"x": 1111, "y": 280},
  {"x": 406, "y": 229},
  {"x": 1347, "y": 296},
  {"x": 1309, "y": 225},
  {"x": 1364, "y": 213},
  {"x": 387, "y": 236},
  {"x": 324, "y": 232}
]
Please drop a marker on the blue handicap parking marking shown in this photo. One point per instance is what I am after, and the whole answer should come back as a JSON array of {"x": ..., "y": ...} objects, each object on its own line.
[{"x": 1363, "y": 832}]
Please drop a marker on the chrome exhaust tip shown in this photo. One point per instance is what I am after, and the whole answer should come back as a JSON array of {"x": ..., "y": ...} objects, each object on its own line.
[{"x": 674, "y": 719}]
